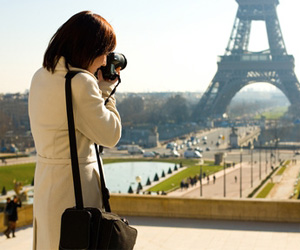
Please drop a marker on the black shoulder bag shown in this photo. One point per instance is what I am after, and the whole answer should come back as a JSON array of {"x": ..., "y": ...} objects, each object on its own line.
[{"x": 87, "y": 227}]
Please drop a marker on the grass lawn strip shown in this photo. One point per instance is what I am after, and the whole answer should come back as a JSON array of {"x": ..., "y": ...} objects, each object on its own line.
[
  {"x": 281, "y": 170},
  {"x": 173, "y": 182},
  {"x": 266, "y": 190}
]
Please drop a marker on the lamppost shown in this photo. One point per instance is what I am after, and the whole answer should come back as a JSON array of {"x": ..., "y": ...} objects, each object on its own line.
[
  {"x": 260, "y": 160},
  {"x": 271, "y": 154},
  {"x": 266, "y": 157},
  {"x": 139, "y": 187},
  {"x": 200, "y": 181},
  {"x": 278, "y": 148},
  {"x": 224, "y": 175},
  {"x": 241, "y": 161},
  {"x": 251, "y": 165}
]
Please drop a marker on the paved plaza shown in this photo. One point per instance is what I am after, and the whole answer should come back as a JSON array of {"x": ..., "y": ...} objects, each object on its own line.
[{"x": 189, "y": 234}]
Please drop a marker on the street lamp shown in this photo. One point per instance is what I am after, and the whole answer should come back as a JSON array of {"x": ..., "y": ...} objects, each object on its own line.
[
  {"x": 271, "y": 154},
  {"x": 139, "y": 187},
  {"x": 241, "y": 161},
  {"x": 278, "y": 149},
  {"x": 200, "y": 181},
  {"x": 224, "y": 175},
  {"x": 266, "y": 157},
  {"x": 260, "y": 160},
  {"x": 251, "y": 165}
]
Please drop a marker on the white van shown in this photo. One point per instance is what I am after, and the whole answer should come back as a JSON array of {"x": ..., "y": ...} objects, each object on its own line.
[
  {"x": 192, "y": 154},
  {"x": 135, "y": 149}
]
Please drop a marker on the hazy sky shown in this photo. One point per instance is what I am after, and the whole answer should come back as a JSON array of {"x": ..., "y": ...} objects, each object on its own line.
[{"x": 171, "y": 45}]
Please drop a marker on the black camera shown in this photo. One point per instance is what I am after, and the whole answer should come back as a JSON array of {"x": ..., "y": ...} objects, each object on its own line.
[{"x": 114, "y": 61}]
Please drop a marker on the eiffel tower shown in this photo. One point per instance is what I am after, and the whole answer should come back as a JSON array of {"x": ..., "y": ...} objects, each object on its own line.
[{"x": 239, "y": 67}]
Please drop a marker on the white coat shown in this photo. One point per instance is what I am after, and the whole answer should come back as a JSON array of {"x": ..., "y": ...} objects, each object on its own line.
[{"x": 94, "y": 123}]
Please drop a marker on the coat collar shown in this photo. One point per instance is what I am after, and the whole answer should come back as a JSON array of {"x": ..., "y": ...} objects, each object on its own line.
[{"x": 61, "y": 66}]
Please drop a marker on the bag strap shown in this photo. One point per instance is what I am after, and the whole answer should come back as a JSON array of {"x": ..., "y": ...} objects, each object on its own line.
[
  {"x": 73, "y": 150},
  {"x": 104, "y": 189},
  {"x": 72, "y": 141}
]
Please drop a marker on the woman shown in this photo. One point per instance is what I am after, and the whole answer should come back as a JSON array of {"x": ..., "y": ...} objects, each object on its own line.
[{"x": 80, "y": 44}]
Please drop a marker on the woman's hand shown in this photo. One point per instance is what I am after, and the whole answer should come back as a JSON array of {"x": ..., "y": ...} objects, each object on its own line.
[{"x": 100, "y": 76}]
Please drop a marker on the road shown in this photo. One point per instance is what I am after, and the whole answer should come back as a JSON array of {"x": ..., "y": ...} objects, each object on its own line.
[{"x": 21, "y": 160}]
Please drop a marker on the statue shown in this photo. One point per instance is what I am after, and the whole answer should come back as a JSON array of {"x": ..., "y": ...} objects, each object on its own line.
[{"x": 18, "y": 187}]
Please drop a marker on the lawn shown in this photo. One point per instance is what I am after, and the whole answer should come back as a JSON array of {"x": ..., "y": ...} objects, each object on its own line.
[
  {"x": 266, "y": 190},
  {"x": 21, "y": 172},
  {"x": 274, "y": 114},
  {"x": 281, "y": 170},
  {"x": 173, "y": 182}
]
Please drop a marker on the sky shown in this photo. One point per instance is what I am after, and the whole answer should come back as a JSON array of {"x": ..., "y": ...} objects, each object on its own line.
[{"x": 170, "y": 45}]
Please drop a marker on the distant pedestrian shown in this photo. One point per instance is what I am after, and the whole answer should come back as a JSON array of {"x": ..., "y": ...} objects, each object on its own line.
[
  {"x": 235, "y": 179},
  {"x": 182, "y": 184},
  {"x": 7, "y": 212},
  {"x": 207, "y": 179},
  {"x": 214, "y": 179},
  {"x": 13, "y": 216}
]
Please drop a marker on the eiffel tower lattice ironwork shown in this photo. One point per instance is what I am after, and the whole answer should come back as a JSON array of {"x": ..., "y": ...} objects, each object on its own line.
[{"x": 239, "y": 67}]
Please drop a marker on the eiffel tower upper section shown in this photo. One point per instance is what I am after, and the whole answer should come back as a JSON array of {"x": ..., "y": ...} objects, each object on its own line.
[
  {"x": 239, "y": 67},
  {"x": 259, "y": 10}
]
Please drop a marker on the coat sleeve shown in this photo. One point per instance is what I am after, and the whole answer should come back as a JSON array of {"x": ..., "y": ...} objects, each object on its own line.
[{"x": 101, "y": 124}]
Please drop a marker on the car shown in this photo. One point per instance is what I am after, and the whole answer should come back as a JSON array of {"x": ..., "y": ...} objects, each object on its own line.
[
  {"x": 171, "y": 145},
  {"x": 171, "y": 153},
  {"x": 192, "y": 154},
  {"x": 122, "y": 147},
  {"x": 199, "y": 149},
  {"x": 174, "y": 153},
  {"x": 149, "y": 154},
  {"x": 135, "y": 149}
]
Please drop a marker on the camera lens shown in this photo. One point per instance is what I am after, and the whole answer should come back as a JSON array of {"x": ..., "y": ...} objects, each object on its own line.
[{"x": 114, "y": 61}]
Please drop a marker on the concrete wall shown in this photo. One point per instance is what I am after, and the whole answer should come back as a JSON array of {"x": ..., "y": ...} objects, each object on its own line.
[
  {"x": 25, "y": 217},
  {"x": 224, "y": 209},
  {"x": 216, "y": 209}
]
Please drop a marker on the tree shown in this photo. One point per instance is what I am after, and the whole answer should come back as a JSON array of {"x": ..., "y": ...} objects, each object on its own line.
[
  {"x": 176, "y": 109},
  {"x": 130, "y": 108}
]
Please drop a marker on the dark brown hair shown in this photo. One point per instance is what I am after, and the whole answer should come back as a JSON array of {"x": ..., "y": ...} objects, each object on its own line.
[{"x": 80, "y": 40}]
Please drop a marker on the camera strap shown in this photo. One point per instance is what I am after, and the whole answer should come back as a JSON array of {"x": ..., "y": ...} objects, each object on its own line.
[{"x": 114, "y": 90}]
